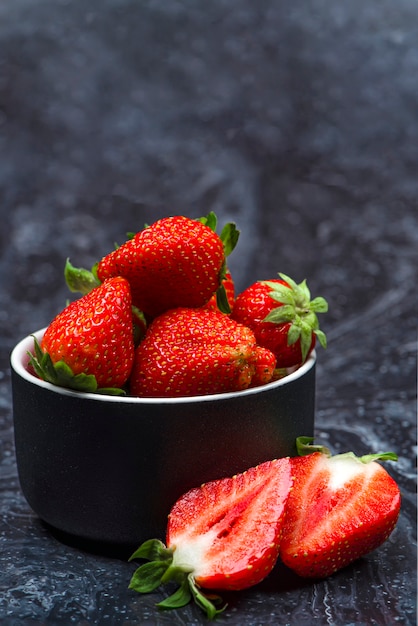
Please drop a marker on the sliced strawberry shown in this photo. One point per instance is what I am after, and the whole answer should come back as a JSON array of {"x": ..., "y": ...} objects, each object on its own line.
[
  {"x": 340, "y": 508},
  {"x": 224, "y": 535}
]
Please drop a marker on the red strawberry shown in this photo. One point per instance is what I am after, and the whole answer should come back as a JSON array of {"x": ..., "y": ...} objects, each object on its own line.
[
  {"x": 229, "y": 286},
  {"x": 89, "y": 345},
  {"x": 340, "y": 508},
  {"x": 177, "y": 261},
  {"x": 282, "y": 317},
  {"x": 191, "y": 352},
  {"x": 222, "y": 535}
]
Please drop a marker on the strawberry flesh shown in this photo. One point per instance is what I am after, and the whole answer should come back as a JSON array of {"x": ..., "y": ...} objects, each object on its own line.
[
  {"x": 339, "y": 509},
  {"x": 228, "y": 531}
]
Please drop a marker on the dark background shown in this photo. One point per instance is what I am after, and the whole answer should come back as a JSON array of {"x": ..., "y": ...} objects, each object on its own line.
[{"x": 298, "y": 121}]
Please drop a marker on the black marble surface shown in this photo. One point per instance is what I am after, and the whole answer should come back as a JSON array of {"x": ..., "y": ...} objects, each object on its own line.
[{"x": 298, "y": 120}]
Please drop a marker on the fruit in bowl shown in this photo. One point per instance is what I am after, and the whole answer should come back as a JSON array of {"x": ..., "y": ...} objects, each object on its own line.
[
  {"x": 107, "y": 468},
  {"x": 149, "y": 383}
]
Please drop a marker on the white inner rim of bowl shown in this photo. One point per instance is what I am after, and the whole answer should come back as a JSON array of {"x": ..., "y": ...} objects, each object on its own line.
[{"x": 19, "y": 361}]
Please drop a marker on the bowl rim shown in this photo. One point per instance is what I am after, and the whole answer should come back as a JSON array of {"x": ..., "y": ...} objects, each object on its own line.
[{"x": 19, "y": 359}]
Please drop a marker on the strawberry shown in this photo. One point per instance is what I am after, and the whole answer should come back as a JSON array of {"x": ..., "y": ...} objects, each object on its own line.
[
  {"x": 89, "y": 346},
  {"x": 177, "y": 261},
  {"x": 224, "y": 535},
  {"x": 340, "y": 508},
  {"x": 229, "y": 286},
  {"x": 282, "y": 317},
  {"x": 190, "y": 352}
]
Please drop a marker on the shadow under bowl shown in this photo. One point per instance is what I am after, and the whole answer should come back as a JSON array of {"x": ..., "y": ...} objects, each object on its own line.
[{"x": 108, "y": 469}]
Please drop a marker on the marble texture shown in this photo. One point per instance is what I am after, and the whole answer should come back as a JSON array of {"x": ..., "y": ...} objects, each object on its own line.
[{"x": 298, "y": 121}]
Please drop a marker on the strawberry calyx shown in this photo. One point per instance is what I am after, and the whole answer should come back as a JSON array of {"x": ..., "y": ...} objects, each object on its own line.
[
  {"x": 305, "y": 446},
  {"x": 79, "y": 279},
  {"x": 298, "y": 310},
  {"x": 229, "y": 236},
  {"x": 61, "y": 374},
  {"x": 221, "y": 296},
  {"x": 160, "y": 569}
]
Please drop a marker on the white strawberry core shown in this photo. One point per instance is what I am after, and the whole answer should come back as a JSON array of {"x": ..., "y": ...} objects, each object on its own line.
[
  {"x": 346, "y": 468},
  {"x": 190, "y": 552}
]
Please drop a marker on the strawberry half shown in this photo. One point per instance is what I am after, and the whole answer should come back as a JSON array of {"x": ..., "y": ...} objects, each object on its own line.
[
  {"x": 340, "y": 508},
  {"x": 283, "y": 318},
  {"x": 89, "y": 346},
  {"x": 177, "y": 261},
  {"x": 193, "y": 352},
  {"x": 224, "y": 535}
]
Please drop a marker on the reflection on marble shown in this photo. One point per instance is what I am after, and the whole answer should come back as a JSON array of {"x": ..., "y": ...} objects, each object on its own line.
[{"x": 298, "y": 121}]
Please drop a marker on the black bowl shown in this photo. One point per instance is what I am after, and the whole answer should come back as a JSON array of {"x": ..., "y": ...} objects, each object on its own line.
[{"x": 108, "y": 469}]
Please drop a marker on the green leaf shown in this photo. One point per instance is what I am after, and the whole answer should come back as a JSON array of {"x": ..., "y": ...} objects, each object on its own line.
[
  {"x": 229, "y": 236},
  {"x": 110, "y": 391},
  {"x": 303, "y": 291},
  {"x": 321, "y": 337},
  {"x": 294, "y": 333},
  {"x": 38, "y": 350},
  {"x": 305, "y": 340},
  {"x": 179, "y": 598},
  {"x": 78, "y": 382},
  {"x": 281, "y": 314},
  {"x": 61, "y": 374},
  {"x": 379, "y": 456},
  {"x": 176, "y": 573},
  {"x": 159, "y": 570},
  {"x": 280, "y": 292},
  {"x": 205, "y": 602},
  {"x": 289, "y": 281},
  {"x": 210, "y": 220},
  {"x": 79, "y": 279},
  {"x": 148, "y": 576},
  {"x": 42, "y": 363},
  {"x": 299, "y": 310},
  {"x": 94, "y": 271},
  {"x": 305, "y": 446},
  {"x": 222, "y": 299},
  {"x": 152, "y": 550},
  {"x": 319, "y": 305}
]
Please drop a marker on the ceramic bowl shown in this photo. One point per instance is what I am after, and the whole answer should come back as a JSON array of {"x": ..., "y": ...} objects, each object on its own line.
[{"x": 108, "y": 469}]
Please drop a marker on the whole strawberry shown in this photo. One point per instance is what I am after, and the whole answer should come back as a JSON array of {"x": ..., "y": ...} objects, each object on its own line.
[
  {"x": 177, "y": 261},
  {"x": 89, "y": 346},
  {"x": 283, "y": 318},
  {"x": 340, "y": 508},
  {"x": 222, "y": 535},
  {"x": 191, "y": 352}
]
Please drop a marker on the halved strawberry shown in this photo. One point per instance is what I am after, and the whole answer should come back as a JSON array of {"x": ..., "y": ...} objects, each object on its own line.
[
  {"x": 222, "y": 535},
  {"x": 89, "y": 346},
  {"x": 340, "y": 508}
]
